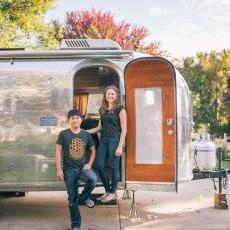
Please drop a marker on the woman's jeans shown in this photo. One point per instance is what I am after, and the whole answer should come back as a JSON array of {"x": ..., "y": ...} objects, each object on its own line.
[
  {"x": 106, "y": 150},
  {"x": 71, "y": 177}
]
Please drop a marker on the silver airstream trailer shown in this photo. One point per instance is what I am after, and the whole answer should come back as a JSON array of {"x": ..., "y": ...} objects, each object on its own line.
[{"x": 37, "y": 88}]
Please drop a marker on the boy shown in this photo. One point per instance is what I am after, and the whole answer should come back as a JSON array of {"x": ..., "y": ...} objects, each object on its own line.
[{"x": 71, "y": 145}]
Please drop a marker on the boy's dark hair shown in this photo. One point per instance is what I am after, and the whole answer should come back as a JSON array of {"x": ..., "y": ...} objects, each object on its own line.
[{"x": 73, "y": 112}]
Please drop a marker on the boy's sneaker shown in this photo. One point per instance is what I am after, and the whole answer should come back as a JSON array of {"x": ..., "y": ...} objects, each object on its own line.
[{"x": 89, "y": 203}]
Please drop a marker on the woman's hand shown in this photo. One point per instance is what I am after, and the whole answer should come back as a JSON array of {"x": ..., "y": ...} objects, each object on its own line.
[{"x": 118, "y": 151}]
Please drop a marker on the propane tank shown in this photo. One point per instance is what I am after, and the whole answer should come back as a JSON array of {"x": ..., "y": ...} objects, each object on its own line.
[{"x": 205, "y": 153}]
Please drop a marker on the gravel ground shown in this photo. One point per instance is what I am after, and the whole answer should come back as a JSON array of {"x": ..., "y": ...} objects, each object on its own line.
[{"x": 191, "y": 208}]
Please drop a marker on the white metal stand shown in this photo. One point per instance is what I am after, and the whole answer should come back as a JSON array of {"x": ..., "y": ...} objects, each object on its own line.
[
  {"x": 126, "y": 195},
  {"x": 133, "y": 212}
]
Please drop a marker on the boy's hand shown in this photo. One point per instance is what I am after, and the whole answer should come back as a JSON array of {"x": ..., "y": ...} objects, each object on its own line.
[
  {"x": 86, "y": 167},
  {"x": 60, "y": 174}
]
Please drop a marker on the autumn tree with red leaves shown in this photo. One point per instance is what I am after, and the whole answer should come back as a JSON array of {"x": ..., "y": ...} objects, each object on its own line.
[{"x": 99, "y": 24}]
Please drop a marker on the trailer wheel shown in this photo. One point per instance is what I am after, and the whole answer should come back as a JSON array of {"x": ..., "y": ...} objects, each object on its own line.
[
  {"x": 20, "y": 194},
  {"x": 11, "y": 194}
]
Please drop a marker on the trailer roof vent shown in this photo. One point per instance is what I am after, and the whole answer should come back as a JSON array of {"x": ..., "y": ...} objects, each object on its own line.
[{"x": 89, "y": 44}]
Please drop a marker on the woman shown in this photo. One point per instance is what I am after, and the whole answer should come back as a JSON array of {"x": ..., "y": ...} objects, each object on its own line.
[{"x": 113, "y": 128}]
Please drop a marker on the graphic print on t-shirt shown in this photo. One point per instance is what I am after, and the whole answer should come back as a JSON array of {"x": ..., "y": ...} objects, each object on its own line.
[{"x": 76, "y": 149}]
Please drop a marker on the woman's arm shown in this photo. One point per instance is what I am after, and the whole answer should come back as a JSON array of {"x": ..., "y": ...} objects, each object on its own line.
[
  {"x": 123, "y": 122},
  {"x": 96, "y": 129}
]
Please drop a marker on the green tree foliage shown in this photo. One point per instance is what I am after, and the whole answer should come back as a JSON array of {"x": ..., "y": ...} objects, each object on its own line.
[
  {"x": 22, "y": 20},
  {"x": 208, "y": 77}
]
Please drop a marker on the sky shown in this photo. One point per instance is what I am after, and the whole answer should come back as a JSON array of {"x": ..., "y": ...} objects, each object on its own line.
[{"x": 183, "y": 27}]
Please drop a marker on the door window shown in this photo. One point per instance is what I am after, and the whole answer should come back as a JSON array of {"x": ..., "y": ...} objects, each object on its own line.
[{"x": 148, "y": 103}]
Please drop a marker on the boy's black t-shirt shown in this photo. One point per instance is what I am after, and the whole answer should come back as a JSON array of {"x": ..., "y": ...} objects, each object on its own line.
[
  {"x": 110, "y": 123},
  {"x": 74, "y": 147}
]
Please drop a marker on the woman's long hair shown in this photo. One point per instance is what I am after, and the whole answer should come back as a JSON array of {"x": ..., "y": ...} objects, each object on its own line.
[{"x": 105, "y": 104}]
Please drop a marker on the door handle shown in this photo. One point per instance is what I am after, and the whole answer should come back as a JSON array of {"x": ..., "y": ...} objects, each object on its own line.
[
  {"x": 170, "y": 132},
  {"x": 169, "y": 121}
]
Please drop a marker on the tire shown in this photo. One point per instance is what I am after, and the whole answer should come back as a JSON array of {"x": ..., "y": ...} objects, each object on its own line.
[
  {"x": 20, "y": 194},
  {"x": 13, "y": 194}
]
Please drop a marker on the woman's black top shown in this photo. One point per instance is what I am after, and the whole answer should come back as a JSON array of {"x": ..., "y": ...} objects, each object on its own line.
[{"x": 110, "y": 123}]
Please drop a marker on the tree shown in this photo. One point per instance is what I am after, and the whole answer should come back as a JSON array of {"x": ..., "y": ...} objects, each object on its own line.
[
  {"x": 99, "y": 24},
  {"x": 22, "y": 20},
  {"x": 208, "y": 77}
]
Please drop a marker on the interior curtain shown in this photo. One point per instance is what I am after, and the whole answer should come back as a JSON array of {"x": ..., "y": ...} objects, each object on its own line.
[{"x": 81, "y": 102}]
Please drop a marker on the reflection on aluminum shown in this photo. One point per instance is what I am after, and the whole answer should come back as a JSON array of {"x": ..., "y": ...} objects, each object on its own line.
[
  {"x": 28, "y": 97},
  {"x": 44, "y": 167}
]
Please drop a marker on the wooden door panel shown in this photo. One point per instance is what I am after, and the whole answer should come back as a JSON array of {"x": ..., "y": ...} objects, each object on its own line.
[
  {"x": 164, "y": 172},
  {"x": 149, "y": 74}
]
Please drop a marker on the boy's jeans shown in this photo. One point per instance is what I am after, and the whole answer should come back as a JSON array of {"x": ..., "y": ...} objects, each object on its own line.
[
  {"x": 106, "y": 149},
  {"x": 71, "y": 177}
]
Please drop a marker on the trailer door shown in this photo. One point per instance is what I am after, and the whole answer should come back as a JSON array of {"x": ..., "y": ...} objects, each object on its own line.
[{"x": 151, "y": 135}]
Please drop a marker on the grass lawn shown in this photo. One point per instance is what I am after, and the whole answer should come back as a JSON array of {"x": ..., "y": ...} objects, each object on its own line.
[{"x": 226, "y": 164}]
